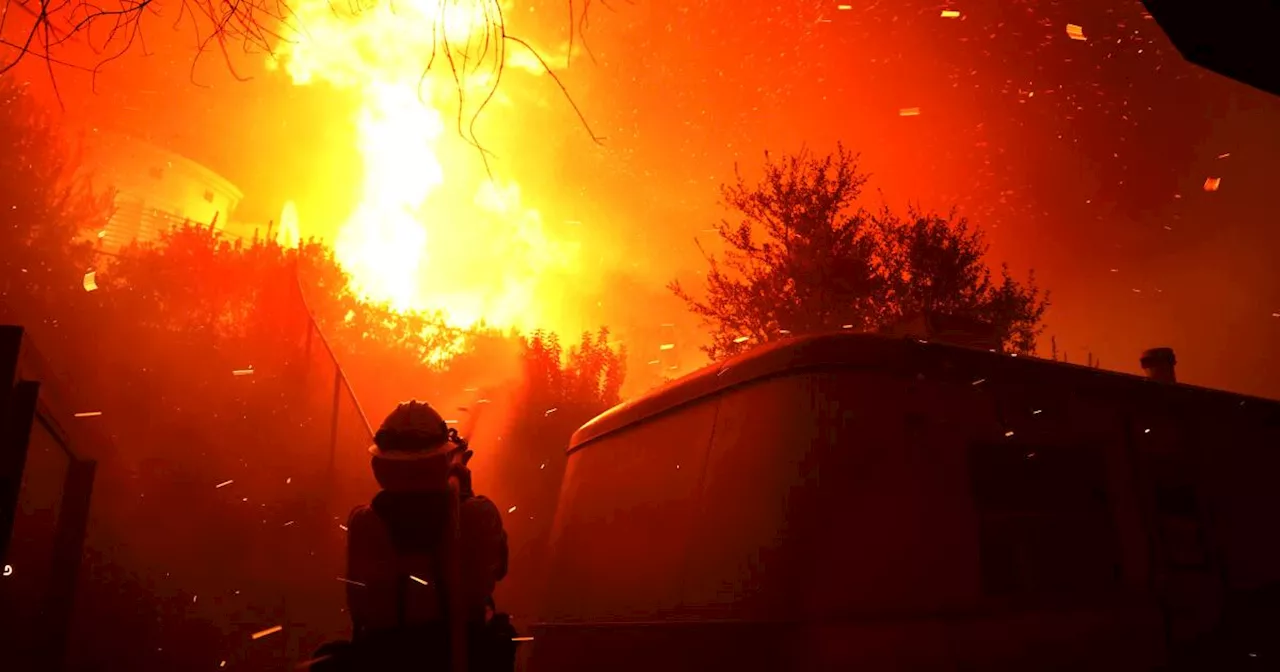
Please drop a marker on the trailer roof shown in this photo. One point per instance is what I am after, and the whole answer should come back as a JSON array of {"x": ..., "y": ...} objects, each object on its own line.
[{"x": 895, "y": 356}]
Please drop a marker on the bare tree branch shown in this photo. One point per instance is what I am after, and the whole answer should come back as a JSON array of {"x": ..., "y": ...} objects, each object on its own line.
[{"x": 111, "y": 28}]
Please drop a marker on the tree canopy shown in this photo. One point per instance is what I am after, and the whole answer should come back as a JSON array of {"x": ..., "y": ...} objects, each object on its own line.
[
  {"x": 45, "y": 204},
  {"x": 803, "y": 256}
]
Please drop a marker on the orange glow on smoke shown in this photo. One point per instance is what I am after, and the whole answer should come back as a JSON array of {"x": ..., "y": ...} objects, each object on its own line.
[{"x": 430, "y": 231}]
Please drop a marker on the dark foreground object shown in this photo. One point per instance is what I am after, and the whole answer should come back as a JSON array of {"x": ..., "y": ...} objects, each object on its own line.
[
  {"x": 46, "y": 485},
  {"x": 845, "y": 502},
  {"x": 492, "y": 649},
  {"x": 1234, "y": 38}
]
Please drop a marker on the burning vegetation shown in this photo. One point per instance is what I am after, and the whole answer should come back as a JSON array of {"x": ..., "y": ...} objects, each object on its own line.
[{"x": 422, "y": 73}]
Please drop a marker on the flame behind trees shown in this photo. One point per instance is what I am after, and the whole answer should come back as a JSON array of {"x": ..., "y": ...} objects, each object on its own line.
[{"x": 803, "y": 259}]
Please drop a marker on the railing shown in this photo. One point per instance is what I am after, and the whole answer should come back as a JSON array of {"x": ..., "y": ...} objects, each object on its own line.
[
  {"x": 45, "y": 490},
  {"x": 133, "y": 221},
  {"x": 46, "y": 482},
  {"x": 331, "y": 421}
]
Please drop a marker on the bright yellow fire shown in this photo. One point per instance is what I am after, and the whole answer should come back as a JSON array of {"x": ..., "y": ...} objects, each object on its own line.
[{"x": 431, "y": 231}]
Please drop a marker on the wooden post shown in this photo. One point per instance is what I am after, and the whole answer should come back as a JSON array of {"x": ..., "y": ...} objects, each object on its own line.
[
  {"x": 16, "y": 418},
  {"x": 10, "y": 349},
  {"x": 333, "y": 420},
  {"x": 68, "y": 550}
]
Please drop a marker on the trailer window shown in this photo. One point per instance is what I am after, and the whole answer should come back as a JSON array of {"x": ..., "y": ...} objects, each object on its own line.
[
  {"x": 1044, "y": 520},
  {"x": 1178, "y": 527}
]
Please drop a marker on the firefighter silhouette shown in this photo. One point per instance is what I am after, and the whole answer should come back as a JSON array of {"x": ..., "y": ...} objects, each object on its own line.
[{"x": 423, "y": 558}]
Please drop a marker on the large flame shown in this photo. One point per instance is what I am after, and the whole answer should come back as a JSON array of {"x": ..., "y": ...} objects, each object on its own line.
[{"x": 431, "y": 232}]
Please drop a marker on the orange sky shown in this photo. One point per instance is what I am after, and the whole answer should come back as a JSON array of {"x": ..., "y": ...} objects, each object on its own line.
[{"x": 1082, "y": 159}]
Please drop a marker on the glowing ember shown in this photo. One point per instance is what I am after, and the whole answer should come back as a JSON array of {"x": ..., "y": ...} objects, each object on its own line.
[
  {"x": 431, "y": 231},
  {"x": 950, "y": 14},
  {"x": 1211, "y": 184},
  {"x": 90, "y": 281},
  {"x": 1075, "y": 32},
  {"x": 269, "y": 631},
  {"x": 909, "y": 112}
]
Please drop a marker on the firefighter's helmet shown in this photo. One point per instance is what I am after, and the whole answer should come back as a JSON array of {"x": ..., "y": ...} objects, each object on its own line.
[{"x": 414, "y": 430}]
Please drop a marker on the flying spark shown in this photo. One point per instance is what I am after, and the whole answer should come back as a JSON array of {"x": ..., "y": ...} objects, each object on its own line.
[{"x": 269, "y": 631}]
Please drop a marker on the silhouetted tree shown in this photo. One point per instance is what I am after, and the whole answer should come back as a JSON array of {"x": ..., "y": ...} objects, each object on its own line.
[
  {"x": 934, "y": 264},
  {"x": 804, "y": 258},
  {"x": 563, "y": 390},
  {"x": 595, "y": 372},
  {"x": 45, "y": 206}
]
